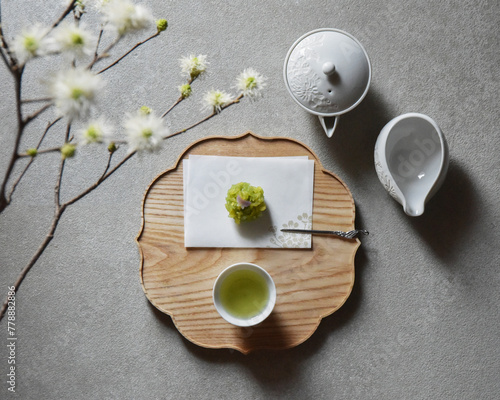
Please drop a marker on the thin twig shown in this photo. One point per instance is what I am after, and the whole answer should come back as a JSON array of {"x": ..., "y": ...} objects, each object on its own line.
[
  {"x": 14, "y": 186},
  {"x": 235, "y": 101},
  {"x": 100, "y": 180},
  {"x": 104, "y": 54},
  {"x": 128, "y": 52},
  {"x": 9, "y": 60},
  {"x": 57, "y": 189},
  {"x": 49, "y": 125},
  {"x": 45, "y": 99},
  {"x": 4, "y": 58},
  {"x": 107, "y": 165},
  {"x": 180, "y": 99},
  {"x": 31, "y": 117},
  {"x": 65, "y": 13},
  {"x": 59, "y": 210},
  {"x": 36, "y": 256},
  {"x": 172, "y": 106},
  {"x": 20, "y": 129},
  {"x": 96, "y": 52},
  {"x": 43, "y": 151}
]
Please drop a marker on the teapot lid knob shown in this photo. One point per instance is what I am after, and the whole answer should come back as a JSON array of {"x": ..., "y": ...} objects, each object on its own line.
[{"x": 328, "y": 68}]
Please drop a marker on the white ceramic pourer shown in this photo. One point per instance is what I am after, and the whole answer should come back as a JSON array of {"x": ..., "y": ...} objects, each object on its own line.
[
  {"x": 328, "y": 73},
  {"x": 411, "y": 160}
]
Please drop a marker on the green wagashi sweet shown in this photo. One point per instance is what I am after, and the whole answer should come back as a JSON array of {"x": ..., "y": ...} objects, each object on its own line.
[{"x": 245, "y": 202}]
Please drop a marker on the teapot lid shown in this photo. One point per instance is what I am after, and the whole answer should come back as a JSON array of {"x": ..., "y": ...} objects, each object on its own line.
[{"x": 327, "y": 72}]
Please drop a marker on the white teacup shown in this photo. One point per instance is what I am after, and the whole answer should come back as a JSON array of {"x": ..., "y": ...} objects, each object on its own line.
[{"x": 244, "y": 294}]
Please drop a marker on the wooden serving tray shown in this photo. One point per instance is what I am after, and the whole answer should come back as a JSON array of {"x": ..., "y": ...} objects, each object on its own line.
[{"x": 311, "y": 283}]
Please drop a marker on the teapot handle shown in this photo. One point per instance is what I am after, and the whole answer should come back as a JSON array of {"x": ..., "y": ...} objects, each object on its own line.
[{"x": 329, "y": 124}]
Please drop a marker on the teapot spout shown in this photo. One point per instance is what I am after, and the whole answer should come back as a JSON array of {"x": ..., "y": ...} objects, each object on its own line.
[{"x": 329, "y": 124}]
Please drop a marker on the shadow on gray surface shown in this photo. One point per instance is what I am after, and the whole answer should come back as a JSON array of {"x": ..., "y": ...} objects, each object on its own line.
[
  {"x": 353, "y": 143},
  {"x": 450, "y": 215}
]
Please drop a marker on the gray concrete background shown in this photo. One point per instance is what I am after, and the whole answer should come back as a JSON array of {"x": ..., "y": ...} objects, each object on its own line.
[{"x": 423, "y": 319}]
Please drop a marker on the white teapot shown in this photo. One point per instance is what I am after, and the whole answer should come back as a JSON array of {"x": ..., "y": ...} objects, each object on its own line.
[{"x": 328, "y": 73}]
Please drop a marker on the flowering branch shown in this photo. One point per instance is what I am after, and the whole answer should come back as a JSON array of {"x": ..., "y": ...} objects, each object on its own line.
[
  {"x": 73, "y": 94},
  {"x": 214, "y": 113},
  {"x": 177, "y": 102},
  {"x": 60, "y": 208},
  {"x": 185, "y": 93}
]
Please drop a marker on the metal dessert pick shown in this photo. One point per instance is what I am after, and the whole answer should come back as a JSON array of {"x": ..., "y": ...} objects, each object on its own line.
[{"x": 347, "y": 235}]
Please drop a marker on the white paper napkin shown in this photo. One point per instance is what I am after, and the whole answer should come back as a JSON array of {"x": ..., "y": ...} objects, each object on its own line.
[{"x": 288, "y": 192}]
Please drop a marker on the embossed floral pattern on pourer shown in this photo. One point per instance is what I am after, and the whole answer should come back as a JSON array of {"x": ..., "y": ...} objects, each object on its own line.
[{"x": 384, "y": 179}]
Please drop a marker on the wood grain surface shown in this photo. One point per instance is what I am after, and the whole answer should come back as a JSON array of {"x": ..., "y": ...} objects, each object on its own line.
[{"x": 311, "y": 283}]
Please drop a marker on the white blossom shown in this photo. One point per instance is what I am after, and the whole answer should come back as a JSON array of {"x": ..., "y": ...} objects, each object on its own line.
[
  {"x": 214, "y": 100},
  {"x": 73, "y": 39},
  {"x": 193, "y": 66},
  {"x": 125, "y": 16},
  {"x": 145, "y": 131},
  {"x": 74, "y": 92},
  {"x": 97, "y": 131},
  {"x": 250, "y": 83},
  {"x": 30, "y": 43}
]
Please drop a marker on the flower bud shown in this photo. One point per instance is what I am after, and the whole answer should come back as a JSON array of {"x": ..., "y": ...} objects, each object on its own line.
[
  {"x": 145, "y": 110},
  {"x": 161, "y": 25},
  {"x": 112, "y": 147},
  {"x": 32, "y": 152},
  {"x": 185, "y": 90},
  {"x": 79, "y": 6},
  {"x": 67, "y": 150}
]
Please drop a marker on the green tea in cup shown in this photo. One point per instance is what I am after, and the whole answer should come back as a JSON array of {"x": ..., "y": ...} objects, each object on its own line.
[{"x": 244, "y": 294}]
